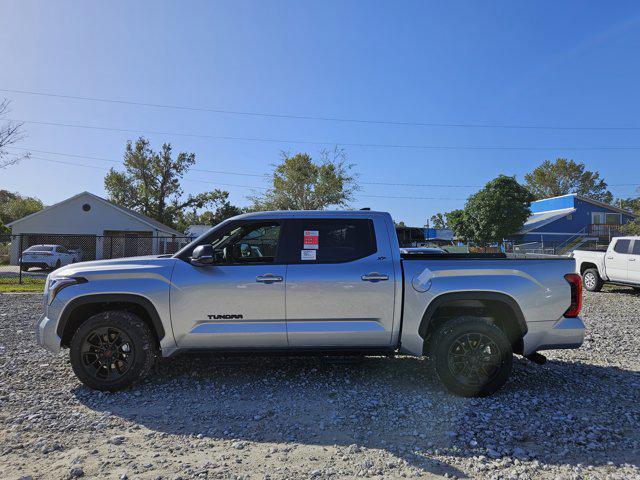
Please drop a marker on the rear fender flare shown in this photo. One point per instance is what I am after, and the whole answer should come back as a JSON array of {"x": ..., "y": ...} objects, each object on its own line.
[{"x": 457, "y": 296}]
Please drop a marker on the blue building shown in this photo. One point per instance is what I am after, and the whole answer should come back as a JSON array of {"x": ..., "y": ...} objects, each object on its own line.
[{"x": 562, "y": 224}]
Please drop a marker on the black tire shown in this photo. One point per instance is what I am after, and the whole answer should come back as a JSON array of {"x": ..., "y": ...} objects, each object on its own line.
[
  {"x": 637, "y": 289},
  {"x": 591, "y": 280},
  {"x": 487, "y": 360},
  {"x": 112, "y": 351},
  {"x": 58, "y": 263},
  {"x": 24, "y": 268}
]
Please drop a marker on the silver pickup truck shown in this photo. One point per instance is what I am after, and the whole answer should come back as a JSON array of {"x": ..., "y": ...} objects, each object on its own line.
[{"x": 322, "y": 282}]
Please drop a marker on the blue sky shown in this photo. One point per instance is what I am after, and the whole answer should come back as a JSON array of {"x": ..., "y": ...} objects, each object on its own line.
[{"x": 570, "y": 64}]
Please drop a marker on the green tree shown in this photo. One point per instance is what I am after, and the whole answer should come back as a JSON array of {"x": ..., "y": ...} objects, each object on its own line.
[
  {"x": 193, "y": 217},
  {"x": 631, "y": 228},
  {"x": 633, "y": 205},
  {"x": 494, "y": 213},
  {"x": 552, "y": 179},
  {"x": 300, "y": 184},
  {"x": 150, "y": 183},
  {"x": 456, "y": 222},
  {"x": 14, "y": 206},
  {"x": 439, "y": 221}
]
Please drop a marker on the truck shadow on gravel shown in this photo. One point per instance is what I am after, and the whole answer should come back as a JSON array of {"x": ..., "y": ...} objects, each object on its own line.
[
  {"x": 624, "y": 291},
  {"x": 562, "y": 413}
]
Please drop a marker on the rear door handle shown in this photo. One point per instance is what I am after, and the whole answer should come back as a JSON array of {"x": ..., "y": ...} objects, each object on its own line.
[
  {"x": 632, "y": 259},
  {"x": 375, "y": 277},
  {"x": 268, "y": 278}
]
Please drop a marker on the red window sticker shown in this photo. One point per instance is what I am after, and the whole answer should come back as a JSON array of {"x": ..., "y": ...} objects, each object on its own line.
[{"x": 311, "y": 239}]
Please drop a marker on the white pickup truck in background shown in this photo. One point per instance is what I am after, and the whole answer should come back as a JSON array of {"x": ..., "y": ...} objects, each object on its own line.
[{"x": 619, "y": 265}]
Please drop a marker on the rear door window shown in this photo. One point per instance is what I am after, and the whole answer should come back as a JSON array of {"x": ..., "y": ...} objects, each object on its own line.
[
  {"x": 636, "y": 247},
  {"x": 332, "y": 240},
  {"x": 622, "y": 246}
]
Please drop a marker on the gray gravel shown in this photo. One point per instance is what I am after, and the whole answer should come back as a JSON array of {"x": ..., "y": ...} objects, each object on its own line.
[{"x": 207, "y": 417}]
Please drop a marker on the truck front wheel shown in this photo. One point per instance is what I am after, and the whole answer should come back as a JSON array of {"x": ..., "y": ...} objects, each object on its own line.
[
  {"x": 591, "y": 280},
  {"x": 112, "y": 350},
  {"x": 472, "y": 357}
]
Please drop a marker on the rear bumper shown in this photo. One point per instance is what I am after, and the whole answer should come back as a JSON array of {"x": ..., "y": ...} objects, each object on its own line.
[
  {"x": 38, "y": 264},
  {"x": 551, "y": 335}
]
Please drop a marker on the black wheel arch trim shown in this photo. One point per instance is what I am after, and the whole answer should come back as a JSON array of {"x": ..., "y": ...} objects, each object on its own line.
[
  {"x": 98, "y": 298},
  {"x": 480, "y": 295}
]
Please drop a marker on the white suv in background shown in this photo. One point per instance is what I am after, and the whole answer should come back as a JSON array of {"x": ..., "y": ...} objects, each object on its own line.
[{"x": 47, "y": 257}]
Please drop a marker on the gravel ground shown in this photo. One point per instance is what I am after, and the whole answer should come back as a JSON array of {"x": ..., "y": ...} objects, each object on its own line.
[{"x": 578, "y": 416}]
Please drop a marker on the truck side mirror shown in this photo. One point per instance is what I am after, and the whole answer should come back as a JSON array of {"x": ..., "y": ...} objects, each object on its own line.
[{"x": 202, "y": 255}]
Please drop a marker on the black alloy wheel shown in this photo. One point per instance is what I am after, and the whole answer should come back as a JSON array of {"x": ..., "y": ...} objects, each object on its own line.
[
  {"x": 472, "y": 356},
  {"x": 107, "y": 353},
  {"x": 112, "y": 350},
  {"x": 474, "y": 359}
]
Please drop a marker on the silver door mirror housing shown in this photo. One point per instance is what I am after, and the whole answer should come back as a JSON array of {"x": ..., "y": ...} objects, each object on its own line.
[{"x": 202, "y": 255}]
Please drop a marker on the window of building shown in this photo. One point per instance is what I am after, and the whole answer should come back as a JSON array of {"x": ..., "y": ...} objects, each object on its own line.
[
  {"x": 606, "y": 218},
  {"x": 613, "y": 218}
]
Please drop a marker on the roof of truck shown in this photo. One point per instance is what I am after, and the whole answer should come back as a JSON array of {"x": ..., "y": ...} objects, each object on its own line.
[{"x": 309, "y": 214}]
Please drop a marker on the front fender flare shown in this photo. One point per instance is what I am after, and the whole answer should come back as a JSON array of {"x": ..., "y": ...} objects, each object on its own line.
[{"x": 97, "y": 298}]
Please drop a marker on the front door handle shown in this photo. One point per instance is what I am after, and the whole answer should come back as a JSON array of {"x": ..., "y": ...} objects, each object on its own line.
[
  {"x": 375, "y": 277},
  {"x": 268, "y": 278},
  {"x": 632, "y": 259}
]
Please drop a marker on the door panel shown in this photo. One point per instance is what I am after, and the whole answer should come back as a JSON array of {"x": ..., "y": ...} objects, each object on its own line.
[
  {"x": 330, "y": 304},
  {"x": 226, "y": 307},
  {"x": 240, "y": 301},
  {"x": 617, "y": 261}
]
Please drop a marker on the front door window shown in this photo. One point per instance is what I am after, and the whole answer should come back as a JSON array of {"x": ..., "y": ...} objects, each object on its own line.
[{"x": 247, "y": 244}]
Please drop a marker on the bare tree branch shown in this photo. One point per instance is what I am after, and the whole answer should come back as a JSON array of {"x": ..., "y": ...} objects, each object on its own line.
[{"x": 10, "y": 134}]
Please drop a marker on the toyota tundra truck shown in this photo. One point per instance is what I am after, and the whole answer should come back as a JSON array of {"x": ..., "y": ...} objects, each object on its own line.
[
  {"x": 312, "y": 282},
  {"x": 619, "y": 265}
]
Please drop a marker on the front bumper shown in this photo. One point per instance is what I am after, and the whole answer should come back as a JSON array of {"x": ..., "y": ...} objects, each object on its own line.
[
  {"x": 551, "y": 335},
  {"x": 46, "y": 335}
]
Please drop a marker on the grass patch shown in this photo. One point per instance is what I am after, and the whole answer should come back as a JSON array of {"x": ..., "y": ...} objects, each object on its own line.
[{"x": 29, "y": 284}]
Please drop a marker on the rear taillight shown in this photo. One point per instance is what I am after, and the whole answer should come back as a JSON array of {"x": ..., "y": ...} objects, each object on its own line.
[{"x": 575, "y": 281}]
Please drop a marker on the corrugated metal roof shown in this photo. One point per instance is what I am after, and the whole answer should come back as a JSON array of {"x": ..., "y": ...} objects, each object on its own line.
[{"x": 540, "y": 219}]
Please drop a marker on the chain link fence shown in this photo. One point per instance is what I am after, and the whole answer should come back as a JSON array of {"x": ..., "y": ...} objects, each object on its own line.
[{"x": 31, "y": 256}]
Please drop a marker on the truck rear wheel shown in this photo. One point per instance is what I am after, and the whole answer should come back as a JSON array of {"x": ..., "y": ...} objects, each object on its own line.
[
  {"x": 112, "y": 350},
  {"x": 591, "y": 280},
  {"x": 471, "y": 356}
]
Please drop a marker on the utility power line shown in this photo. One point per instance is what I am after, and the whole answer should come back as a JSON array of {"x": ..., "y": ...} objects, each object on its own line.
[
  {"x": 319, "y": 117},
  {"x": 265, "y": 176},
  {"x": 325, "y": 143},
  {"x": 223, "y": 172},
  {"x": 252, "y": 187}
]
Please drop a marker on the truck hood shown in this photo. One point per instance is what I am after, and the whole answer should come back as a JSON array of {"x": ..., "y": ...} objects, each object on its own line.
[{"x": 116, "y": 265}]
